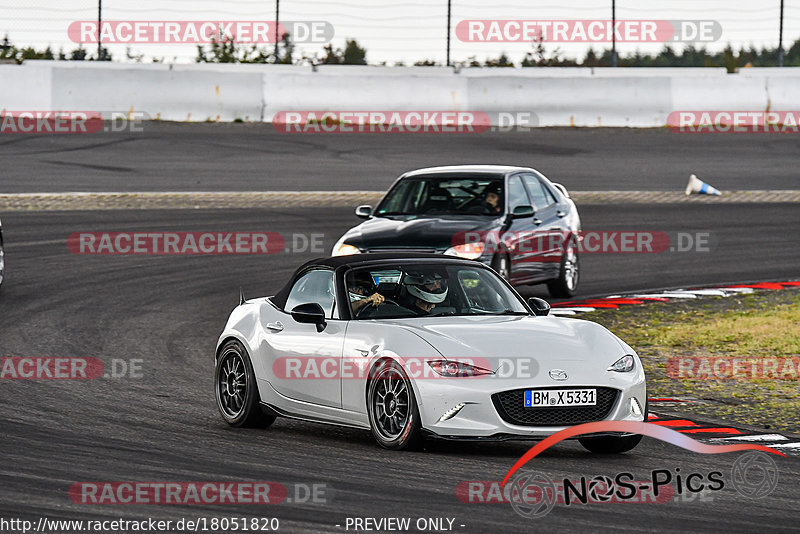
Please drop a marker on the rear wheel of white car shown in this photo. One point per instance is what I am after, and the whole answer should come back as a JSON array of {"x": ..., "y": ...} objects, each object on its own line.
[
  {"x": 392, "y": 408},
  {"x": 611, "y": 444},
  {"x": 567, "y": 282},
  {"x": 235, "y": 388}
]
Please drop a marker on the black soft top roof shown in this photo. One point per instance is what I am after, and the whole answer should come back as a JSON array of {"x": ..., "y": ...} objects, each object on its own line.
[{"x": 357, "y": 260}]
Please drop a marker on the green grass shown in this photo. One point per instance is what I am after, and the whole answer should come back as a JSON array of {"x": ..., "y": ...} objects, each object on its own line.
[{"x": 765, "y": 324}]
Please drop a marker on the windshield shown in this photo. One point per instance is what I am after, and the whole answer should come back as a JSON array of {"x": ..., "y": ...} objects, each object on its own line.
[
  {"x": 429, "y": 290},
  {"x": 431, "y": 195}
]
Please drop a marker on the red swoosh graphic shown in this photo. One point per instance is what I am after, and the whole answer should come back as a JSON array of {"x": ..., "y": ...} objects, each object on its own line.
[{"x": 633, "y": 427}]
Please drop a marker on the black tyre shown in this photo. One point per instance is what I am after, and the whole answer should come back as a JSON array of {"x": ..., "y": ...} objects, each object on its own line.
[
  {"x": 392, "y": 408},
  {"x": 236, "y": 390},
  {"x": 502, "y": 264},
  {"x": 568, "y": 275},
  {"x": 610, "y": 444}
]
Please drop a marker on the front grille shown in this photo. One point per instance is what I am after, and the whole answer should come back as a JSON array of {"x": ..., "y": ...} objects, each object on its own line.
[
  {"x": 401, "y": 249},
  {"x": 510, "y": 407}
]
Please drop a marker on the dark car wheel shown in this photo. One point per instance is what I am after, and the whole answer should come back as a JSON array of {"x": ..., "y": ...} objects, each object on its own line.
[
  {"x": 610, "y": 444},
  {"x": 235, "y": 388},
  {"x": 392, "y": 408},
  {"x": 502, "y": 265},
  {"x": 568, "y": 275}
]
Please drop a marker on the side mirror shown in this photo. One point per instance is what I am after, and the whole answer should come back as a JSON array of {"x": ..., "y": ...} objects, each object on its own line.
[
  {"x": 539, "y": 306},
  {"x": 310, "y": 313},
  {"x": 364, "y": 211},
  {"x": 562, "y": 189},
  {"x": 522, "y": 211}
]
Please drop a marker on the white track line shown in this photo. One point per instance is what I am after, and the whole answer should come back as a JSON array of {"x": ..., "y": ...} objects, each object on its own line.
[
  {"x": 792, "y": 446},
  {"x": 755, "y": 437}
]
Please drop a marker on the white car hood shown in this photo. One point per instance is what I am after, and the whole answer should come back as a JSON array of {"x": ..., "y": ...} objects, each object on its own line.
[{"x": 549, "y": 341}]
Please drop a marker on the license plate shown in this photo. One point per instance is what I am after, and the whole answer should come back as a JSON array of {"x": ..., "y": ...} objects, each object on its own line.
[{"x": 554, "y": 398}]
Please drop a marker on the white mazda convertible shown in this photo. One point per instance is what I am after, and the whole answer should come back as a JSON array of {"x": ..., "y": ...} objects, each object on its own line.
[{"x": 416, "y": 346}]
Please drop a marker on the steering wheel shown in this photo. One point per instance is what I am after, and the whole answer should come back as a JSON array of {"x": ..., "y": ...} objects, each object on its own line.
[{"x": 361, "y": 310}]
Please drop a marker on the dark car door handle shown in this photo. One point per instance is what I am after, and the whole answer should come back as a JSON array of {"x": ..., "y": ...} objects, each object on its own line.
[
  {"x": 560, "y": 213},
  {"x": 537, "y": 221}
]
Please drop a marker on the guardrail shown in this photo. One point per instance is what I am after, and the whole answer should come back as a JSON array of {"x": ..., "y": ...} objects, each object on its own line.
[{"x": 633, "y": 97}]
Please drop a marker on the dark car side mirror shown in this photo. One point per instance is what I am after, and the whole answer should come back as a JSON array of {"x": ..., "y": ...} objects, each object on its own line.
[
  {"x": 522, "y": 211},
  {"x": 539, "y": 306},
  {"x": 364, "y": 211},
  {"x": 310, "y": 313}
]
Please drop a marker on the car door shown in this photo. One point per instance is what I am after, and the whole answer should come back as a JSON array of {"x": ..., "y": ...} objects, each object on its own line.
[
  {"x": 547, "y": 218},
  {"x": 306, "y": 362},
  {"x": 521, "y": 232}
]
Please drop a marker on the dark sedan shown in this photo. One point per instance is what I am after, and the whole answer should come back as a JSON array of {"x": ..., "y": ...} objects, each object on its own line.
[{"x": 511, "y": 218}]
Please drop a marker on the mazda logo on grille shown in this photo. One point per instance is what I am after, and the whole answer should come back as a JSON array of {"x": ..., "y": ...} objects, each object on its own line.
[{"x": 558, "y": 374}]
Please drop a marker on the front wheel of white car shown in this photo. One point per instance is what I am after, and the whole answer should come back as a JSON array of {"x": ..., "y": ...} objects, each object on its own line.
[
  {"x": 392, "y": 408},
  {"x": 235, "y": 388},
  {"x": 610, "y": 444}
]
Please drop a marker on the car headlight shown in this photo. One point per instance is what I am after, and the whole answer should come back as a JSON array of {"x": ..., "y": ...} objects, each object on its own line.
[
  {"x": 470, "y": 251},
  {"x": 454, "y": 369},
  {"x": 623, "y": 365},
  {"x": 345, "y": 250}
]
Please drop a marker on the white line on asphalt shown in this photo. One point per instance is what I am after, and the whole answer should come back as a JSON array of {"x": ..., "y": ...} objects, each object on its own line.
[
  {"x": 794, "y": 445},
  {"x": 756, "y": 437}
]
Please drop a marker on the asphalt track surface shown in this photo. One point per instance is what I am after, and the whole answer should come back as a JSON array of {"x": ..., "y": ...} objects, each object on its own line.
[
  {"x": 255, "y": 157},
  {"x": 168, "y": 311}
]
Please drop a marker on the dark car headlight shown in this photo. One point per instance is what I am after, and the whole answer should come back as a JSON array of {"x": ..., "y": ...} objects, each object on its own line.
[{"x": 470, "y": 251}]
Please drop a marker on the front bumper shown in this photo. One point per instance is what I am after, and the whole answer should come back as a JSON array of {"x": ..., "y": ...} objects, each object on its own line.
[{"x": 480, "y": 418}]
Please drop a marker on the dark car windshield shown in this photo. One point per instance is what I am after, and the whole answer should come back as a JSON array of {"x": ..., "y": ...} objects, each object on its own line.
[
  {"x": 433, "y": 195},
  {"x": 429, "y": 290}
]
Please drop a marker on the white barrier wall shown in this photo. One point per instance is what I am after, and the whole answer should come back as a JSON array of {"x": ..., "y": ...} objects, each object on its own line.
[
  {"x": 175, "y": 95},
  {"x": 562, "y": 101},
  {"x": 329, "y": 91},
  {"x": 556, "y": 96},
  {"x": 25, "y": 88}
]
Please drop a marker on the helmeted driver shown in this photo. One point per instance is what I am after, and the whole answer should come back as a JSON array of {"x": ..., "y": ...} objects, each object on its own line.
[
  {"x": 363, "y": 292},
  {"x": 425, "y": 290},
  {"x": 492, "y": 199}
]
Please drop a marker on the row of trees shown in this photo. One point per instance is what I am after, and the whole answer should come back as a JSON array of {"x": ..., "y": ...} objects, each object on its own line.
[
  {"x": 228, "y": 51},
  {"x": 10, "y": 52},
  {"x": 354, "y": 54},
  {"x": 690, "y": 56}
]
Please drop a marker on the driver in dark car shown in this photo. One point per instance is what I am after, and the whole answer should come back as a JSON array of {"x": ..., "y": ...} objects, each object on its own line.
[
  {"x": 362, "y": 292},
  {"x": 425, "y": 291},
  {"x": 491, "y": 200}
]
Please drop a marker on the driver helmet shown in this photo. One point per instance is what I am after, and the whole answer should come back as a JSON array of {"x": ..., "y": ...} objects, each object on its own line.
[
  {"x": 361, "y": 286},
  {"x": 429, "y": 287}
]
